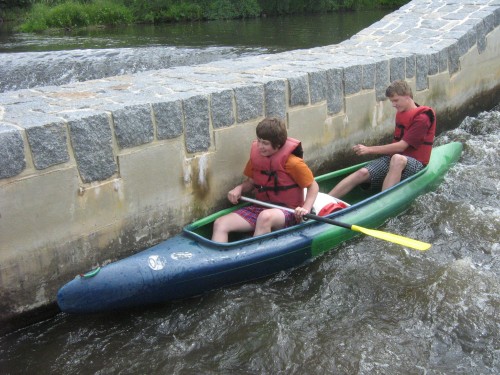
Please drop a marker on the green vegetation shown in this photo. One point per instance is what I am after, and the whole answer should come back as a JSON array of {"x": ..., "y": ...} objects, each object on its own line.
[
  {"x": 39, "y": 15},
  {"x": 75, "y": 14}
]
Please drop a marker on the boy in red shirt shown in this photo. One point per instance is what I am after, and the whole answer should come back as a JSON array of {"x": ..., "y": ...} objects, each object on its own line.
[{"x": 409, "y": 152}]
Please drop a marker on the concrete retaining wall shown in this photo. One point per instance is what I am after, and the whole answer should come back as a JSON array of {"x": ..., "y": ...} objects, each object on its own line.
[{"x": 94, "y": 171}]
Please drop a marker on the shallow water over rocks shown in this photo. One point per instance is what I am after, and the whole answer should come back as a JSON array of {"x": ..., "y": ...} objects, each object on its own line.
[{"x": 33, "y": 60}]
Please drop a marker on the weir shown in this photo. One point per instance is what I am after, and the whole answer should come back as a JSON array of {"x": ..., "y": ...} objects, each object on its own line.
[{"x": 94, "y": 171}]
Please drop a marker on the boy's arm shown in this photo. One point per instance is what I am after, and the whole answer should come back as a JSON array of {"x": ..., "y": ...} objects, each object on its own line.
[
  {"x": 245, "y": 187},
  {"x": 388, "y": 149},
  {"x": 312, "y": 193}
]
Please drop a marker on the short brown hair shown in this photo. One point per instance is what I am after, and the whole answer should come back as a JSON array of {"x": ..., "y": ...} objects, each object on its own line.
[
  {"x": 272, "y": 129},
  {"x": 401, "y": 88}
]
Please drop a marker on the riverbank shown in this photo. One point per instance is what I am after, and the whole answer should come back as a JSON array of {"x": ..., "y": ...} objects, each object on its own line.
[{"x": 45, "y": 15}]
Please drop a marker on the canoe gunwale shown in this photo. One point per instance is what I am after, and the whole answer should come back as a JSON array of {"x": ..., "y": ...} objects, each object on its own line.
[
  {"x": 435, "y": 169},
  {"x": 188, "y": 264},
  {"x": 189, "y": 229}
]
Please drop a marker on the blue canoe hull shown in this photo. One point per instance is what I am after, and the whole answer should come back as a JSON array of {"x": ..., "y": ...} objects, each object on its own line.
[{"x": 190, "y": 264}]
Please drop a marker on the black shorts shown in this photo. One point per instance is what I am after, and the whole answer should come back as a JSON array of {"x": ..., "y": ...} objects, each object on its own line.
[{"x": 378, "y": 169}]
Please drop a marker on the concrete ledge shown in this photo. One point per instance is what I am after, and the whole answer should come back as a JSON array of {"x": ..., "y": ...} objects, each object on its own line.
[{"x": 94, "y": 171}]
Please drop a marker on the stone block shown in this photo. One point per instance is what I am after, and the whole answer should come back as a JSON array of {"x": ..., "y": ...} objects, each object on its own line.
[
  {"x": 133, "y": 125},
  {"x": 422, "y": 72},
  {"x": 368, "y": 76},
  {"x": 92, "y": 142},
  {"x": 410, "y": 66},
  {"x": 317, "y": 86},
  {"x": 47, "y": 138},
  {"x": 249, "y": 102},
  {"x": 481, "y": 37},
  {"x": 489, "y": 22},
  {"x": 496, "y": 18},
  {"x": 222, "y": 109},
  {"x": 471, "y": 38},
  {"x": 443, "y": 60},
  {"x": 12, "y": 160},
  {"x": 197, "y": 131},
  {"x": 453, "y": 58},
  {"x": 397, "y": 68},
  {"x": 169, "y": 119},
  {"x": 434, "y": 63},
  {"x": 335, "y": 91},
  {"x": 353, "y": 78},
  {"x": 275, "y": 98},
  {"x": 382, "y": 79},
  {"x": 299, "y": 90},
  {"x": 463, "y": 44}
]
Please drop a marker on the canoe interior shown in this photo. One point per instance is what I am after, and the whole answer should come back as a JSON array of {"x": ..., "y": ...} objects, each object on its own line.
[
  {"x": 203, "y": 228},
  {"x": 191, "y": 263}
]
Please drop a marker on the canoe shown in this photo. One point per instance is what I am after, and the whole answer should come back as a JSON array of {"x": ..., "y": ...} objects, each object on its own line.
[{"x": 191, "y": 264}]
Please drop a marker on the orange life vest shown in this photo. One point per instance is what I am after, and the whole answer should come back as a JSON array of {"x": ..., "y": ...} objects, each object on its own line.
[
  {"x": 403, "y": 122},
  {"x": 272, "y": 182}
]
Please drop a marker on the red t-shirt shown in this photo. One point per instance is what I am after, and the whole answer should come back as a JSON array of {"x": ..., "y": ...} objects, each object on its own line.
[{"x": 417, "y": 131}]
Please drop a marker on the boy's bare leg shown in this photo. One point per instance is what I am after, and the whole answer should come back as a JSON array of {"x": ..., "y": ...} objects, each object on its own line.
[
  {"x": 269, "y": 220},
  {"x": 350, "y": 182},
  {"x": 396, "y": 167},
  {"x": 229, "y": 223}
]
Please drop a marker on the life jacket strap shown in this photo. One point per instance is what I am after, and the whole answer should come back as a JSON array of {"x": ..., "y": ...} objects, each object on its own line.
[{"x": 261, "y": 188}]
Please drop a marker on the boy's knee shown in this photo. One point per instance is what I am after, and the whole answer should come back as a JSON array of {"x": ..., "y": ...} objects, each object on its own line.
[
  {"x": 265, "y": 216},
  {"x": 218, "y": 224},
  {"x": 398, "y": 161},
  {"x": 362, "y": 175}
]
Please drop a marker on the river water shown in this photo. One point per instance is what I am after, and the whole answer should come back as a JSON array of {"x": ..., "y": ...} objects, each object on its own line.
[
  {"x": 367, "y": 307},
  {"x": 32, "y": 60}
]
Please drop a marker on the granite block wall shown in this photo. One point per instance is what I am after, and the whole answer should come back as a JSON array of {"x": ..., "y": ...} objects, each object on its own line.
[{"x": 93, "y": 171}]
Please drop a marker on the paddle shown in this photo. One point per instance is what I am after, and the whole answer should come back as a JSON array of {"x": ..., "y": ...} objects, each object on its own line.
[{"x": 400, "y": 240}]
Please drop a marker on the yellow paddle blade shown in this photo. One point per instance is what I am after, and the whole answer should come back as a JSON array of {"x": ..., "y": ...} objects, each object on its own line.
[{"x": 400, "y": 240}]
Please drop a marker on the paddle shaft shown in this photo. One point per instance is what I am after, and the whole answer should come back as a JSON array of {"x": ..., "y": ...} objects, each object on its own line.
[
  {"x": 308, "y": 216},
  {"x": 400, "y": 240}
]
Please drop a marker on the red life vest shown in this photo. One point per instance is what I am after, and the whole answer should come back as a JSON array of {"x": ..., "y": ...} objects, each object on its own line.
[
  {"x": 403, "y": 122},
  {"x": 272, "y": 182}
]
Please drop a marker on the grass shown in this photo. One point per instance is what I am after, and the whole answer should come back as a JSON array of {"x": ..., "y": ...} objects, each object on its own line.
[
  {"x": 73, "y": 14},
  {"x": 41, "y": 15}
]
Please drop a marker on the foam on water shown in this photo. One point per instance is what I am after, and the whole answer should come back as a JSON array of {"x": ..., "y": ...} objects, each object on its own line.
[{"x": 369, "y": 307}]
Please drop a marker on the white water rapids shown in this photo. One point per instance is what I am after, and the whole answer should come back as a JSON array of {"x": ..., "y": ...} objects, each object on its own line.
[{"x": 368, "y": 307}]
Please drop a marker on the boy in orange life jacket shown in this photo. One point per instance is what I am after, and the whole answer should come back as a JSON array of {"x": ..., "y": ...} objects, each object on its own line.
[
  {"x": 278, "y": 174},
  {"x": 409, "y": 152}
]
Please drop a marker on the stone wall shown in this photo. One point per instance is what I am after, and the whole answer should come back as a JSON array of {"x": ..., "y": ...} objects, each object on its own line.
[{"x": 94, "y": 171}]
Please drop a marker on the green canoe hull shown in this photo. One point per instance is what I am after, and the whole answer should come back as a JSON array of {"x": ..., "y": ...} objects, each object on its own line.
[
  {"x": 373, "y": 211},
  {"x": 190, "y": 263}
]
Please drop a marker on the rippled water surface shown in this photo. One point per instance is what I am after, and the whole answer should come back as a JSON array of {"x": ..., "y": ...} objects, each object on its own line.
[
  {"x": 275, "y": 34},
  {"x": 33, "y": 60},
  {"x": 368, "y": 307}
]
